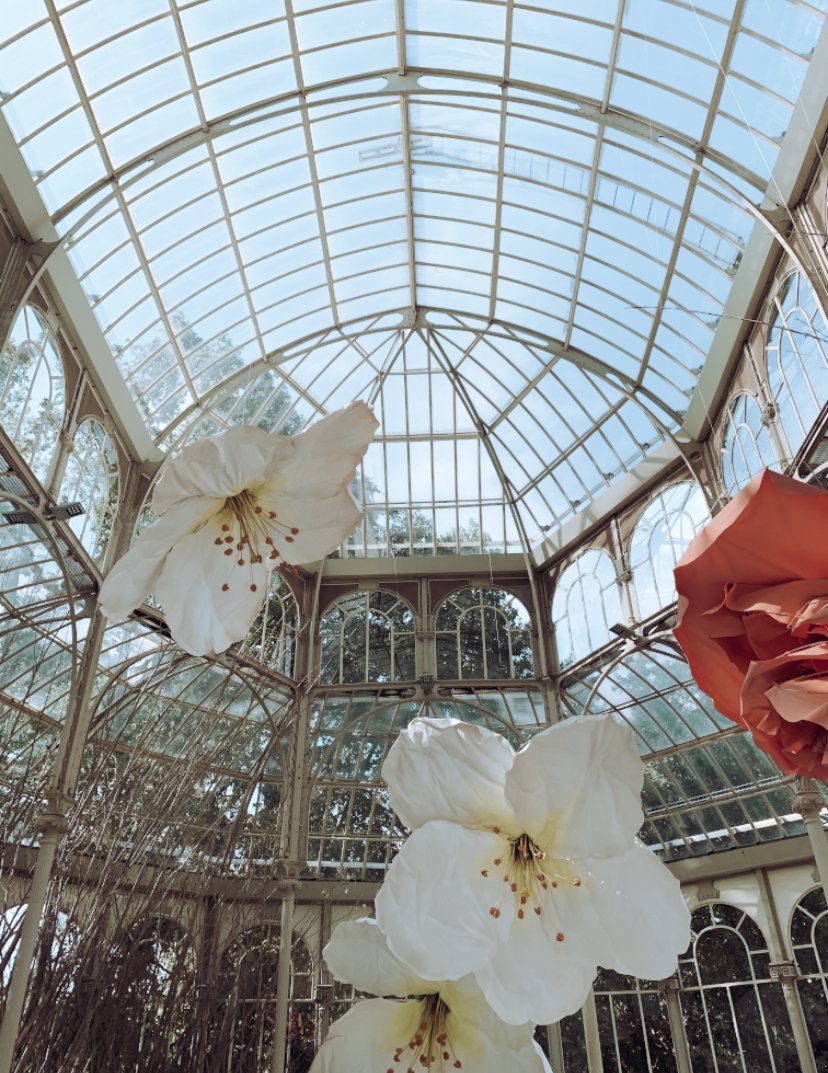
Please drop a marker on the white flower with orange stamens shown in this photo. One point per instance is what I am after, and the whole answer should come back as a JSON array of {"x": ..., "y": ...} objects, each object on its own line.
[
  {"x": 523, "y": 869},
  {"x": 416, "y": 1025},
  {"x": 230, "y": 509}
]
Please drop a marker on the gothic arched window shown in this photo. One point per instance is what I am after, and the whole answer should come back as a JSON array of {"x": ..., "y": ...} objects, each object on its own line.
[
  {"x": 586, "y": 603},
  {"x": 661, "y": 536},
  {"x": 735, "y": 1014},
  {"x": 367, "y": 637},
  {"x": 483, "y": 633},
  {"x": 91, "y": 478},
  {"x": 32, "y": 391}
]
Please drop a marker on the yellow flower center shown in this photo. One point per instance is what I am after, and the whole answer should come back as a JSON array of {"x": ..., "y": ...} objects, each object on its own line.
[
  {"x": 248, "y": 532},
  {"x": 524, "y": 868},
  {"x": 429, "y": 1047}
]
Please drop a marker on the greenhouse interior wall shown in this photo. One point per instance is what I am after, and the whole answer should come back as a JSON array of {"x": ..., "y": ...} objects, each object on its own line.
[{"x": 193, "y": 811}]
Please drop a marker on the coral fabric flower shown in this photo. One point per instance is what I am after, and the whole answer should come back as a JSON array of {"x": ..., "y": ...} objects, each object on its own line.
[
  {"x": 523, "y": 868},
  {"x": 753, "y": 618},
  {"x": 441, "y": 1027},
  {"x": 230, "y": 509}
]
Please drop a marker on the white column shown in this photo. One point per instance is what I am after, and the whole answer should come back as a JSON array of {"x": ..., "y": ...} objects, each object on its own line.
[
  {"x": 595, "y": 1061},
  {"x": 809, "y": 803},
  {"x": 52, "y": 824},
  {"x": 669, "y": 989},
  {"x": 280, "y": 1028},
  {"x": 553, "y": 1038}
]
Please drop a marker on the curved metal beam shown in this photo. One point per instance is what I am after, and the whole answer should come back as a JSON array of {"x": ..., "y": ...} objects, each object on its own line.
[
  {"x": 555, "y": 347},
  {"x": 582, "y": 107}
]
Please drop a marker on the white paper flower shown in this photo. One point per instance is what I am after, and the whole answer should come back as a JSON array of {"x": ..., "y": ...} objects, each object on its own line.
[
  {"x": 439, "y": 1027},
  {"x": 523, "y": 868},
  {"x": 230, "y": 509}
]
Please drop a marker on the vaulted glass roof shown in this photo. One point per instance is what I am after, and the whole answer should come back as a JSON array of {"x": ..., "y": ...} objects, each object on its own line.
[{"x": 501, "y": 221}]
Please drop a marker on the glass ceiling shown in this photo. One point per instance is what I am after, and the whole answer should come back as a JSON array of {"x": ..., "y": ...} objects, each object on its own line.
[{"x": 498, "y": 220}]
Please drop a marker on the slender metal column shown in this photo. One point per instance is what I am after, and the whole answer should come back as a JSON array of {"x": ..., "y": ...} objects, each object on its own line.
[
  {"x": 669, "y": 989},
  {"x": 52, "y": 824},
  {"x": 809, "y": 803},
  {"x": 782, "y": 968},
  {"x": 595, "y": 1061},
  {"x": 280, "y": 1028},
  {"x": 556, "y": 1055}
]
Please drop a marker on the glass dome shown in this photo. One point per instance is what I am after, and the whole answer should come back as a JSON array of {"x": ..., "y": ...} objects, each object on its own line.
[{"x": 573, "y": 256}]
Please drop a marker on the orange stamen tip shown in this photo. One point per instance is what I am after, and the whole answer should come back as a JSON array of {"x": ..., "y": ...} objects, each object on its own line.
[
  {"x": 554, "y": 882},
  {"x": 537, "y": 910},
  {"x": 252, "y": 588},
  {"x": 576, "y": 882},
  {"x": 496, "y": 830},
  {"x": 520, "y": 914},
  {"x": 497, "y": 860},
  {"x": 218, "y": 540},
  {"x": 484, "y": 873},
  {"x": 258, "y": 510},
  {"x": 271, "y": 514},
  {"x": 494, "y": 912},
  {"x": 289, "y": 540},
  {"x": 295, "y": 531},
  {"x": 228, "y": 551},
  {"x": 225, "y": 587},
  {"x": 225, "y": 529},
  {"x": 560, "y": 937},
  {"x": 523, "y": 899},
  {"x": 268, "y": 540},
  {"x": 513, "y": 887},
  {"x": 228, "y": 540},
  {"x": 240, "y": 562}
]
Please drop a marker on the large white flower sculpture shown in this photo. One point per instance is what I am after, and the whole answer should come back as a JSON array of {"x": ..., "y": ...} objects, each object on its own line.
[
  {"x": 230, "y": 509},
  {"x": 523, "y": 868},
  {"x": 439, "y": 1027}
]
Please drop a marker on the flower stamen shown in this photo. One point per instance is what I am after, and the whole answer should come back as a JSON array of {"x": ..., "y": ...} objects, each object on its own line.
[{"x": 430, "y": 1044}]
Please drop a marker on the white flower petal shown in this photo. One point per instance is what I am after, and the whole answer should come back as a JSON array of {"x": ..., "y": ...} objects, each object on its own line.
[
  {"x": 358, "y": 954},
  {"x": 576, "y": 788},
  {"x": 133, "y": 577},
  {"x": 204, "y": 617},
  {"x": 443, "y": 769},
  {"x": 366, "y": 1039},
  {"x": 322, "y": 523},
  {"x": 641, "y": 921},
  {"x": 328, "y": 452},
  {"x": 222, "y": 465},
  {"x": 465, "y": 998},
  {"x": 533, "y": 976},
  {"x": 434, "y": 904}
]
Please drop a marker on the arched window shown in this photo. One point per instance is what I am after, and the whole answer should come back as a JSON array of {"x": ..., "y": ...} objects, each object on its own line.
[
  {"x": 586, "y": 603},
  {"x": 746, "y": 445},
  {"x": 272, "y": 637},
  {"x": 633, "y": 1025},
  {"x": 91, "y": 478},
  {"x": 367, "y": 637},
  {"x": 250, "y": 968},
  {"x": 483, "y": 633},
  {"x": 797, "y": 354},
  {"x": 661, "y": 536},
  {"x": 144, "y": 1014},
  {"x": 735, "y": 1014},
  {"x": 32, "y": 394},
  {"x": 809, "y": 938}
]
